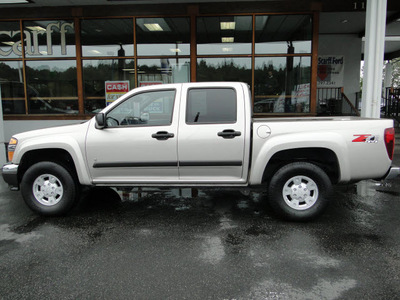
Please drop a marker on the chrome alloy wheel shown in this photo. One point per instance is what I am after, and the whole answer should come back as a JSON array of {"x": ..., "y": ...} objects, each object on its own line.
[
  {"x": 300, "y": 192},
  {"x": 47, "y": 189}
]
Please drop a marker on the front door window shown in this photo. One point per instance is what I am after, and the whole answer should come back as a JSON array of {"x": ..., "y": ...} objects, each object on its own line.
[{"x": 144, "y": 109}]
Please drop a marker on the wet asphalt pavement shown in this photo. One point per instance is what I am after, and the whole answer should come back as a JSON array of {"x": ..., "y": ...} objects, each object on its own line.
[{"x": 218, "y": 245}]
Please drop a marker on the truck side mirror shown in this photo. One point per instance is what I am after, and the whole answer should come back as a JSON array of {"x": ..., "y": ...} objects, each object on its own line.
[{"x": 100, "y": 121}]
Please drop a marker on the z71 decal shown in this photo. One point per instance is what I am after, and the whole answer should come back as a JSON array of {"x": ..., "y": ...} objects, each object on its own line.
[{"x": 365, "y": 138}]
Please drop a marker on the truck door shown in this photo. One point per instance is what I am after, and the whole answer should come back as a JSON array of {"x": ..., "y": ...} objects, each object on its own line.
[
  {"x": 211, "y": 144},
  {"x": 139, "y": 142}
]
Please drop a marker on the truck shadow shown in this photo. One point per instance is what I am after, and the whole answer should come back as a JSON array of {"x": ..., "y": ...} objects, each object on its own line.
[
  {"x": 97, "y": 199},
  {"x": 173, "y": 201}
]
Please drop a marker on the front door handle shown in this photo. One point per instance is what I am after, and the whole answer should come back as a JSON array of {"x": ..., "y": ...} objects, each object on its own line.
[
  {"x": 229, "y": 133},
  {"x": 162, "y": 135}
]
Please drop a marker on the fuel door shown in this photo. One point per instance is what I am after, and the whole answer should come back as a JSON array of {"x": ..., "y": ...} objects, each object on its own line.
[{"x": 263, "y": 131}]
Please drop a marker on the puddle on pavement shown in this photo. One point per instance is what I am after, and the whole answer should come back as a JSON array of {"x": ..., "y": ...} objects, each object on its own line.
[{"x": 8, "y": 234}]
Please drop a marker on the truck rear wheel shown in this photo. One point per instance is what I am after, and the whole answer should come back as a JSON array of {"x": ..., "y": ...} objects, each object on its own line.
[
  {"x": 49, "y": 188},
  {"x": 299, "y": 191}
]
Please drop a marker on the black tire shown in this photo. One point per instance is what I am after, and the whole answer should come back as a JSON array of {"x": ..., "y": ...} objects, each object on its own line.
[
  {"x": 299, "y": 191},
  {"x": 49, "y": 188}
]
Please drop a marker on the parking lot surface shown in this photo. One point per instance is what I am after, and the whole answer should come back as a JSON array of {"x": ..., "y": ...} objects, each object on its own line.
[{"x": 221, "y": 244}]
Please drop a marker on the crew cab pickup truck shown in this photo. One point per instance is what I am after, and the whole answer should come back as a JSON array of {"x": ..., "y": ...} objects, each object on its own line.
[{"x": 199, "y": 134}]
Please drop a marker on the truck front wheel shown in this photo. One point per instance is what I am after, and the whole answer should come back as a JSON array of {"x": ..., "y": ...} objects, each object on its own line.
[
  {"x": 49, "y": 188},
  {"x": 299, "y": 191}
]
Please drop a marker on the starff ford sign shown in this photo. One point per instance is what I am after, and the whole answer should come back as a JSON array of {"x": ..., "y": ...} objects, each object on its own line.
[
  {"x": 115, "y": 89},
  {"x": 330, "y": 71}
]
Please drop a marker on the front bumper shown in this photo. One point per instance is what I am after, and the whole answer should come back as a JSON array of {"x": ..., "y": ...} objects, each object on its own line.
[
  {"x": 10, "y": 175},
  {"x": 393, "y": 173}
]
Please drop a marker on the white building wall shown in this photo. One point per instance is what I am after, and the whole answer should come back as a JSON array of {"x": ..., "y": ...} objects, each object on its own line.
[{"x": 348, "y": 45}]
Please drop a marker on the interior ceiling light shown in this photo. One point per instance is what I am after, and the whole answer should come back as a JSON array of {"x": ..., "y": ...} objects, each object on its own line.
[
  {"x": 14, "y": 1},
  {"x": 175, "y": 50},
  {"x": 227, "y": 49},
  {"x": 227, "y": 25},
  {"x": 153, "y": 24},
  {"x": 228, "y": 39},
  {"x": 133, "y": 71},
  {"x": 153, "y": 27},
  {"x": 138, "y": 72},
  {"x": 8, "y": 43},
  {"x": 36, "y": 28}
]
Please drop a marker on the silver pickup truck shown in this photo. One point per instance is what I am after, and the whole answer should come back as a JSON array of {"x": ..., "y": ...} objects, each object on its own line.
[{"x": 199, "y": 134}]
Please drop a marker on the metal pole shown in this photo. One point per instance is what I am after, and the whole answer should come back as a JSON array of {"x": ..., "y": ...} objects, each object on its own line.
[{"x": 373, "y": 56}]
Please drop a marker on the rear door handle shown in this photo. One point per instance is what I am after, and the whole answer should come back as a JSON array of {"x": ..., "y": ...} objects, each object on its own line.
[
  {"x": 162, "y": 135},
  {"x": 229, "y": 134}
]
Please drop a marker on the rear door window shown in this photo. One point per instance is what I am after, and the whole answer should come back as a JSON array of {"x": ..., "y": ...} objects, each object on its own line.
[{"x": 211, "y": 106}]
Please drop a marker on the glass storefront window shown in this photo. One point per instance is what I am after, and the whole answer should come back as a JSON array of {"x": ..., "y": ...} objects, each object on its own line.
[
  {"x": 55, "y": 86},
  {"x": 10, "y": 40},
  {"x": 163, "y": 36},
  {"x": 12, "y": 87},
  {"x": 97, "y": 72},
  {"x": 224, "y": 35},
  {"x": 224, "y": 69},
  {"x": 107, "y": 37},
  {"x": 272, "y": 52},
  {"x": 282, "y": 84},
  {"x": 283, "y": 34},
  {"x": 163, "y": 70},
  {"x": 49, "y": 38}
]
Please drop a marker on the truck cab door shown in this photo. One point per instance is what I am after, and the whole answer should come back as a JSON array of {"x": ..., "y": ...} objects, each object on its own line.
[
  {"x": 139, "y": 141},
  {"x": 213, "y": 134}
]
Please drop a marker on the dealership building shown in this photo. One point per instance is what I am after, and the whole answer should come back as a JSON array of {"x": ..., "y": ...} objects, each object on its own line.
[{"x": 61, "y": 61}]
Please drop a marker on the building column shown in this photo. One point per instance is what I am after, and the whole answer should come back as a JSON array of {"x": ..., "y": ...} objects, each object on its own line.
[{"x": 373, "y": 58}]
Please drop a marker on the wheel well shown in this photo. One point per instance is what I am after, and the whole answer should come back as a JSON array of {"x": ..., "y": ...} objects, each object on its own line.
[
  {"x": 324, "y": 158},
  {"x": 59, "y": 156}
]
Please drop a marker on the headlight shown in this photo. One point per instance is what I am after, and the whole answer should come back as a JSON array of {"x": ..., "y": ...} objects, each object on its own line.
[{"x": 11, "y": 148}]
